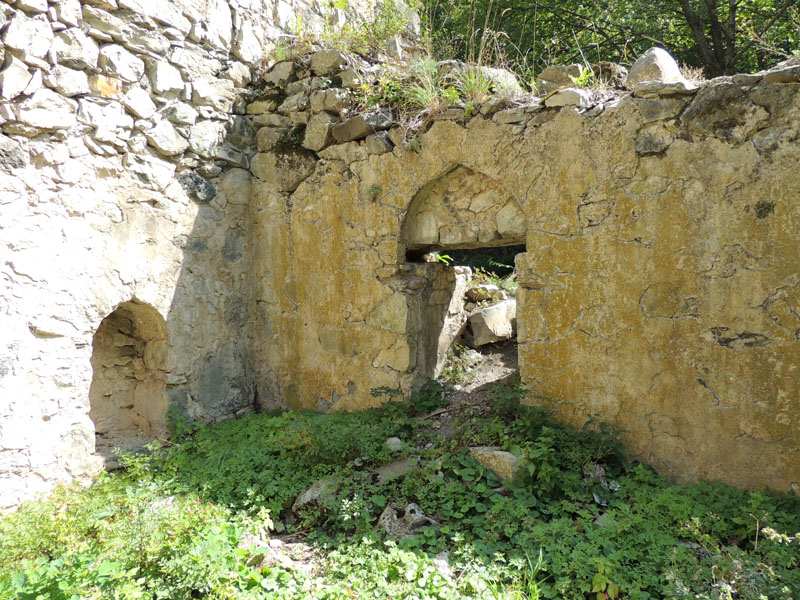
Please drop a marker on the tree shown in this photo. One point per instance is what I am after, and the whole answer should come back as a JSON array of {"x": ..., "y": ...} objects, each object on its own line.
[{"x": 720, "y": 36}]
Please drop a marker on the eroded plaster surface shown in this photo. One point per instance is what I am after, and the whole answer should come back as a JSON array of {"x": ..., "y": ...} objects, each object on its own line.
[{"x": 658, "y": 289}]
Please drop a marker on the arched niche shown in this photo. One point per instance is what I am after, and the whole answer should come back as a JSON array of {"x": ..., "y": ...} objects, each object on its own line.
[
  {"x": 128, "y": 401},
  {"x": 462, "y": 209}
]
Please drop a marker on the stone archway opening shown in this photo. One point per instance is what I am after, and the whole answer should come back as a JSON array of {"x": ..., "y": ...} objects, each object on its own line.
[
  {"x": 128, "y": 400},
  {"x": 473, "y": 313},
  {"x": 461, "y": 234}
]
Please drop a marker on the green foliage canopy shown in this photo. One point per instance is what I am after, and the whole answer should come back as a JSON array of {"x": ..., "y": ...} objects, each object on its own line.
[{"x": 719, "y": 36}]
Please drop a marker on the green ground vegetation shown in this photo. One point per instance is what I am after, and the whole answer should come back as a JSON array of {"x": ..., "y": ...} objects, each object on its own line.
[{"x": 580, "y": 521}]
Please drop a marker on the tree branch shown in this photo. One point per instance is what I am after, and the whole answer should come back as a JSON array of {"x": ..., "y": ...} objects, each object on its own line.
[
  {"x": 697, "y": 26},
  {"x": 778, "y": 13}
]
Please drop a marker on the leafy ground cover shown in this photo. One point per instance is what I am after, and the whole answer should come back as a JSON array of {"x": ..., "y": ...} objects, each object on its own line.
[{"x": 201, "y": 518}]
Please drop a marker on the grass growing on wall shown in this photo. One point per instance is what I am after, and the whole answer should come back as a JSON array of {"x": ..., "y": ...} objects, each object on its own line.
[{"x": 580, "y": 521}]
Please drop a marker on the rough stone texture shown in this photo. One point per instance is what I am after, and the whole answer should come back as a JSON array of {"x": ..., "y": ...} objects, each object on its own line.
[
  {"x": 570, "y": 97},
  {"x": 455, "y": 318},
  {"x": 14, "y": 77},
  {"x": 472, "y": 216},
  {"x": 324, "y": 488},
  {"x": 361, "y": 126},
  {"x": 68, "y": 82},
  {"x": 93, "y": 218},
  {"x": 164, "y": 77},
  {"x": 493, "y": 323},
  {"x": 654, "y": 65},
  {"x": 659, "y": 287},
  {"x": 285, "y": 169},
  {"x": 166, "y": 139},
  {"x": 394, "y": 470},
  {"x": 29, "y": 36},
  {"x": 557, "y": 76},
  {"x": 75, "y": 49},
  {"x": 121, "y": 63},
  {"x": 326, "y": 62},
  {"x": 379, "y": 143},
  {"x": 501, "y": 463},
  {"x": 317, "y": 134}
]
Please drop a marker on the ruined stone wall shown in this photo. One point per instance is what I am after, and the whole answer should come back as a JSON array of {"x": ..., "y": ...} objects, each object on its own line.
[
  {"x": 659, "y": 289},
  {"x": 252, "y": 246},
  {"x": 123, "y": 178}
]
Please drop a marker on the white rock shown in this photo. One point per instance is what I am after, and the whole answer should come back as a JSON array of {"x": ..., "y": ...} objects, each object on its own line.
[
  {"x": 247, "y": 45},
  {"x": 116, "y": 60},
  {"x": 238, "y": 73},
  {"x": 66, "y": 81},
  {"x": 138, "y": 101},
  {"x": 164, "y": 77},
  {"x": 106, "y": 22},
  {"x": 99, "y": 148},
  {"x": 285, "y": 15},
  {"x": 32, "y": 6},
  {"x": 570, "y": 97},
  {"x": 34, "y": 85},
  {"x": 205, "y": 137},
  {"x": 216, "y": 93},
  {"x": 29, "y": 36},
  {"x": 654, "y": 65},
  {"x": 180, "y": 113},
  {"x": 75, "y": 49},
  {"x": 154, "y": 173},
  {"x": 68, "y": 12},
  {"x": 14, "y": 77},
  {"x": 144, "y": 40},
  {"x": 194, "y": 62},
  {"x": 393, "y": 444},
  {"x": 649, "y": 89},
  {"x": 166, "y": 140},
  {"x": 219, "y": 25},
  {"x": 493, "y": 323},
  {"x": 104, "y": 115},
  {"x": 163, "y": 12},
  {"x": 48, "y": 110}
]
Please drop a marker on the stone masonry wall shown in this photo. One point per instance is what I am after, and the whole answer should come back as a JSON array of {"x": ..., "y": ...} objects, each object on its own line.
[
  {"x": 123, "y": 177},
  {"x": 659, "y": 289},
  {"x": 267, "y": 227}
]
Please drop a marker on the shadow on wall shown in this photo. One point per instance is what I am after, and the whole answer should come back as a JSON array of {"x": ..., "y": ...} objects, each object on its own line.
[{"x": 179, "y": 339}]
